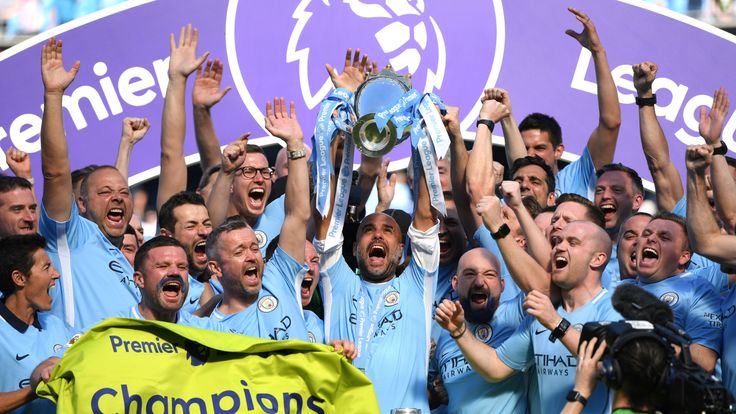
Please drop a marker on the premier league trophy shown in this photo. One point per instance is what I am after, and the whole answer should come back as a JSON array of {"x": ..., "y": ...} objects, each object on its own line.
[{"x": 376, "y": 94}]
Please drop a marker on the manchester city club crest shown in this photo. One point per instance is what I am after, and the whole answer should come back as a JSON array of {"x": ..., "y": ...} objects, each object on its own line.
[
  {"x": 391, "y": 299},
  {"x": 483, "y": 332},
  {"x": 670, "y": 298},
  {"x": 267, "y": 303},
  {"x": 417, "y": 37},
  {"x": 261, "y": 237}
]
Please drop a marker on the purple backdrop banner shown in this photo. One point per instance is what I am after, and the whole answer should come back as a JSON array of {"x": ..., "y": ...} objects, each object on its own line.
[{"x": 455, "y": 49}]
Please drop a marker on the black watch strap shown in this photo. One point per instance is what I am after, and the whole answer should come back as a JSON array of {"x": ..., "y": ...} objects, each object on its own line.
[
  {"x": 502, "y": 232},
  {"x": 722, "y": 150},
  {"x": 487, "y": 122},
  {"x": 574, "y": 395},
  {"x": 560, "y": 330},
  {"x": 646, "y": 101}
]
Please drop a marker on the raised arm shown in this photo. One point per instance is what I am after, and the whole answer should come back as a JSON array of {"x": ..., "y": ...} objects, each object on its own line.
[
  {"x": 458, "y": 166},
  {"x": 483, "y": 358},
  {"x": 284, "y": 125},
  {"x": 322, "y": 224},
  {"x": 425, "y": 216},
  {"x": 602, "y": 141},
  {"x": 233, "y": 157},
  {"x": 479, "y": 173},
  {"x": 536, "y": 243},
  {"x": 705, "y": 235},
  {"x": 513, "y": 142},
  {"x": 182, "y": 63},
  {"x": 724, "y": 187},
  {"x": 206, "y": 93},
  {"x": 134, "y": 129},
  {"x": 667, "y": 180},
  {"x": 385, "y": 188},
  {"x": 57, "y": 179},
  {"x": 525, "y": 271}
]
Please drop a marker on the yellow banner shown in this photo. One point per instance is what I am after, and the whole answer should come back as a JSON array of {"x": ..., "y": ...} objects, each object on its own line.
[{"x": 135, "y": 366}]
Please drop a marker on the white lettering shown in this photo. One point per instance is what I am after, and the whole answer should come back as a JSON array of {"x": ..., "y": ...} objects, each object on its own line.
[
  {"x": 108, "y": 89},
  {"x": 624, "y": 83},
  {"x": 3, "y": 161},
  {"x": 129, "y": 87},
  {"x": 161, "y": 69},
  {"x": 678, "y": 97},
  {"x": 692, "y": 107},
  {"x": 23, "y": 129},
  {"x": 578, "y": 78},
  {"x": 71, "y": 103}
]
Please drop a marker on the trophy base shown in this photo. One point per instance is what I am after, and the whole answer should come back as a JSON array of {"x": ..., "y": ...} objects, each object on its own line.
[{"x": 370, "y": 141}]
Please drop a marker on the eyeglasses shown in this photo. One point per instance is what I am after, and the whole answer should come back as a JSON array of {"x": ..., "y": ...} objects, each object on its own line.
[{"x": 250, "y": 172}]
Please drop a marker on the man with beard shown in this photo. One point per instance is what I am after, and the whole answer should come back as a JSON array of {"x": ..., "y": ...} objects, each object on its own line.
[
  {"x": 535, "y": 179},
  {"x": 380, "y": 311},
  {"x": 628, "y": 238},
  {"x": 544, "y": 340},
  {"x": 479, "y": 284},
  {"x": 83, "y": 242},
  {"x": 234, "y": 252},
  {"x": 184, "y": 217},
  {"x": 315, "y": 325},
  {"x": 161, "y": 273}
]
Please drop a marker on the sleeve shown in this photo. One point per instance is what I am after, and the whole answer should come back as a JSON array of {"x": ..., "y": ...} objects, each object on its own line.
[
  {"x": 59, "y": 233},
  {"x": 715, "y": 277},
  {"x": 283, "y": 270},
  {"x": 578, "y": 177},
  {"x": 517, "y": 352},
  {"x": 681, "y": 207},
  {"x": 483, "y": 237},
  {"x": 425, "y": 247},
  {"x": 703, "y": 319}
]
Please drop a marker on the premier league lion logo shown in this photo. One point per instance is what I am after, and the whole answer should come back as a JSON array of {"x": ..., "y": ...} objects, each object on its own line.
[{"x": 448, "y": 47}]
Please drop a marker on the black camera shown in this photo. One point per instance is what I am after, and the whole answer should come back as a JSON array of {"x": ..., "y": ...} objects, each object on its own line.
[{"x": 688, "y": 387}]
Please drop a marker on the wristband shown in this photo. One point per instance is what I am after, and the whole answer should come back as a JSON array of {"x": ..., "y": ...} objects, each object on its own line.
[
  {"x": 465, "y": 328},
  {"x": 646, "y": 101},
  {"x": 502, "y": 232},
  {"x": 575, "y": 395},
  {"x": 722, "y": 150},
  {"x": 559, "y": 331},
  {"x": 487, "y": 122},
  {"x": 295, "y": 155}
]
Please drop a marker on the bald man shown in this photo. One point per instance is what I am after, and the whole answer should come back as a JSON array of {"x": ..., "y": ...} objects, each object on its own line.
[{"x": 547, "y": 339}]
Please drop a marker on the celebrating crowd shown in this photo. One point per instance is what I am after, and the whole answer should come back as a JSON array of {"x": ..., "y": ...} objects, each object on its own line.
[{"x": 479, "y": 309}]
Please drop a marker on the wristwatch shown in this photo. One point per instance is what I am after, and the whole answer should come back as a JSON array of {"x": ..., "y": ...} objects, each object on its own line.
[
  {"x": 295, "y": 155},
  {"x": 722, "y": 150},
  {"x": 502, "y": 232},
  {"x": 487, "y": 122},
  {"x": 575, "y": 395},
  {"x": 560, "y": 330},
  {"x": 646, "y": 101}
]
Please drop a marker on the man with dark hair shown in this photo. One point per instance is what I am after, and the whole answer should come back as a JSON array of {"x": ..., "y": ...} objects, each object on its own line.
[
  {"x": 161, "y": 273},
  {"x": 618, "y": 193},
  {"x": 535, "y": 178},
  {"x": 130, "y": 244},
  {"x": 28, "y": 333},
  {"x": 18, "y": 207},
  {"x": 584, "y": 210},
  {"x": 628, "y": 237},
  {"x": 540, "y": 135},
  {"x": 245, "y": 192},
  {"x": 261, "y": 299},
  {"x": 184, "y": 216},
  {"x": 83, "y": 240},
  {"x": 662, "y": 258}
]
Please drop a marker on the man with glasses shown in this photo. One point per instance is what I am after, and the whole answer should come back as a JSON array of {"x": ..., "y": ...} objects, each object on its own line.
[{"x": 249, "y": 187}]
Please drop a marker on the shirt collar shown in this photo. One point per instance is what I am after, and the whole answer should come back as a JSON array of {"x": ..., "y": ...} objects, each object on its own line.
[{"x": 13, "y": 320}]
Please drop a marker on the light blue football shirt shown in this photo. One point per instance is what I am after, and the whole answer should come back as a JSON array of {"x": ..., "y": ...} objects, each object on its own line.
[
  {"x": 389, "y": 322},
  {"x": 578, "y": 177},
  {"x": 315, "y": 327},
  {"x": 468, "y": 392},
  {"x": 695, "y": 304},
  {"x": 191, "y": 303},
  {"x": 555, "y": 366},
  {"x": 728, "y": 356},
  {"x": 277, "y": 313},
  {"x": 23, "y": 347},
  {"x": 268, "y": 225},
  {"x": 96, "y": 280}
]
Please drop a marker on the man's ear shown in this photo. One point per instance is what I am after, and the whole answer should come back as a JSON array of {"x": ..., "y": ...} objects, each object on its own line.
[
  {"x": 81, "y": 206},
  {"x": 138, "y": 279},
  {"x": 638, "y": 201},
  {"x": 454, "y": 282},
  {"x": 18, "y": 278},
  {"x": 214, "y": 267},
  {"x": 165, "y": 232},
  {"x": 559, "y": 150}
]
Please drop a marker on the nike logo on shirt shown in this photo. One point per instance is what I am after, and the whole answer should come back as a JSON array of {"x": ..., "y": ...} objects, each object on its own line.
[
  {"x": 192, "y": 301},
  {"x": 537, "y": 332},
  {"x": 20, "y": 357}
]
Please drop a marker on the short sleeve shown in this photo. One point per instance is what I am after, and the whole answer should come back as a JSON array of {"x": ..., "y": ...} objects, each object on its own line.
[{"x": 517, "y": 352}]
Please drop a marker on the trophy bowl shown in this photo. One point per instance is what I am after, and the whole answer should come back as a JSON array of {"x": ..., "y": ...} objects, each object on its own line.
[{"x": 378, "y": 93}]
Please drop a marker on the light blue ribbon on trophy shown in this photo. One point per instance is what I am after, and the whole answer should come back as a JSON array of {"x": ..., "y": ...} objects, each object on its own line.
[
  {"x": 428, "y": 141},
  {"x": 324, "y": 132},
  {"x": 342, "y": 194}
]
